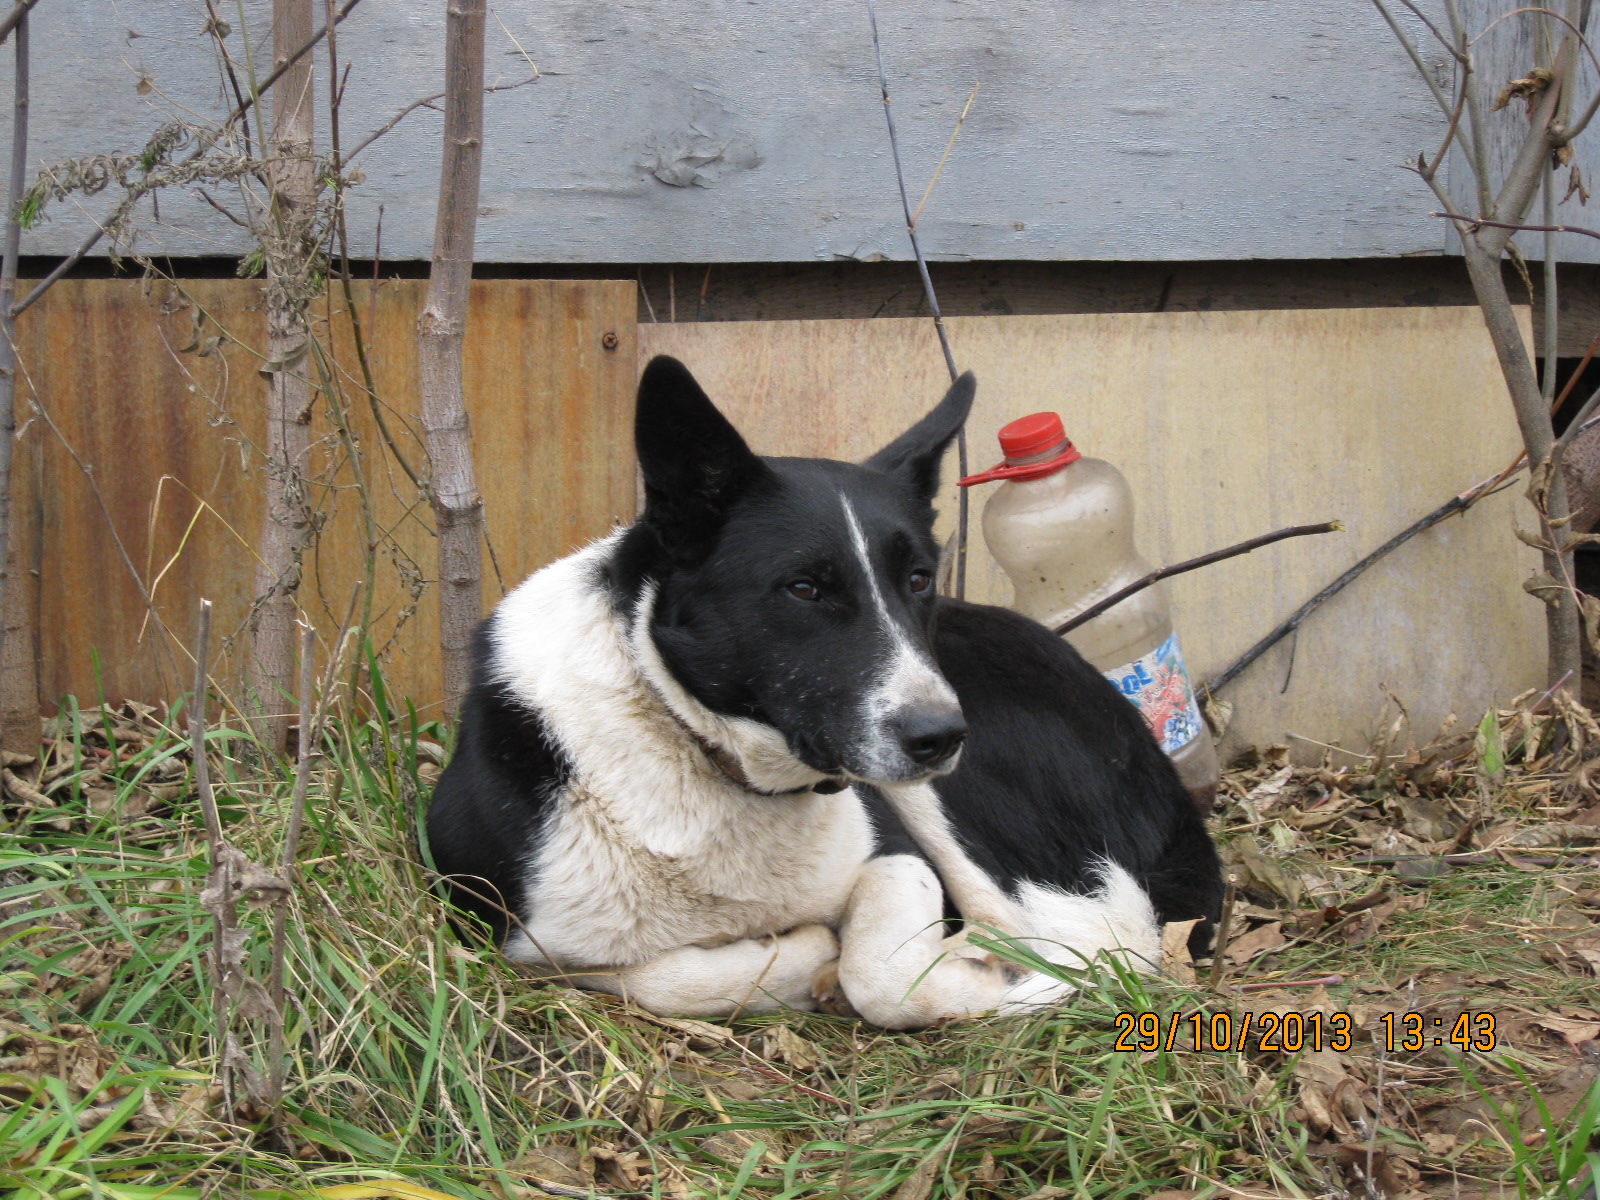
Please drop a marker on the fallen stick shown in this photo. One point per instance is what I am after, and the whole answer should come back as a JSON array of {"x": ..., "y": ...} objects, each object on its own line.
[
  {"x": 1480, "y": 858},
  {"x": 1192, "y": 564},
  {"x": 1455, "y": 504},
  {"x": 1320, "y": 981}
]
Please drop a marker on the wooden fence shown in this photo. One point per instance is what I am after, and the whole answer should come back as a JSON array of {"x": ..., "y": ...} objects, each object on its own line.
[
  {"x": 1227, "y": 424},
  {"x": 154, "y": 482}
]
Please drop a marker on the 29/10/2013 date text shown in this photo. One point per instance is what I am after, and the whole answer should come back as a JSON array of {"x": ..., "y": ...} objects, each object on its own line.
[{"x": 1292, "y": 1032}]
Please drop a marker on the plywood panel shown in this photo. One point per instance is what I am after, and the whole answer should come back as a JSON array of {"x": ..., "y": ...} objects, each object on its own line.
[
  {"x": 170, "y": 437},
  {"x": 725, "y": 130},
  {"x": 1227, "y": 425}
]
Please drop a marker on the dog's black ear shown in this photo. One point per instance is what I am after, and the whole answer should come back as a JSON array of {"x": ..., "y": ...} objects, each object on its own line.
[
  {"x": 695, "y": 464},
  {"x": 916, "y": 453}
]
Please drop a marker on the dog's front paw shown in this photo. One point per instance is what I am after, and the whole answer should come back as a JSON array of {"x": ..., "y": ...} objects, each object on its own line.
[
  {"x": 959, "y": 945},
  {"x": 827, "y": 991}
]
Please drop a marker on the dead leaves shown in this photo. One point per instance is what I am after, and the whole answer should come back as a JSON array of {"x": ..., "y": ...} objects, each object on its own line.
[
  {"x": 1578, "y": 955},
  {"x": 1176, "y": 963},
  {"x": 122, "y": 761},
  {"x": 1261, "y": 940},
  {"x": 1573, "y": 1032},
  {"x": 1260, "y": 876},
  {"x": 783, "y": 1045},
  {"x": 74, "y": 1057},
  {"x": 1367, "y": 1167}
]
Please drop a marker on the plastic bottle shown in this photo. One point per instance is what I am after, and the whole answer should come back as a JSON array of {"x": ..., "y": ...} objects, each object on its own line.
[{"x": 1061, "y": 525}]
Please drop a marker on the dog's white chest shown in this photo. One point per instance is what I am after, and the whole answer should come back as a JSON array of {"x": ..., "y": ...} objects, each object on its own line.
[
  {"x": 650, "y": 847},
  {"x": 610, "y": 890}
]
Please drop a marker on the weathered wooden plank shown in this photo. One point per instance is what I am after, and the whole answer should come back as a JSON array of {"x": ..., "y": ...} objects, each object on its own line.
[
  {"x": 1227, "y": 425},
  {"x": 729, "y": 131},
  {"x": 168, "y": 436},
  {"x": 1503, "y": 50},
  {"x": 821, "y": 291}
]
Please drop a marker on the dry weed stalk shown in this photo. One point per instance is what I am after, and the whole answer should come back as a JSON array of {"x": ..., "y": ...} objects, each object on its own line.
[{"x": 235, "y": 995}]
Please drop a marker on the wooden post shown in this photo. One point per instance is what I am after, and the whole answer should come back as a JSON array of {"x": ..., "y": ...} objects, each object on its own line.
[
  {"x": 441, "y": 332},
  {"x": 286, "y": 527},
  {"x": 19, "y": 677}
]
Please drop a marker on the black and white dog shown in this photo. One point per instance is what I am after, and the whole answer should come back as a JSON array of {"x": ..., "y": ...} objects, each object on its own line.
[{"x": 739, "y": 755}]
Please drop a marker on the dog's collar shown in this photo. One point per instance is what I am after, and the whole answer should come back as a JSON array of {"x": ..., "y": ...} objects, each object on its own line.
[
  {"x": 729, "y": 766},
  {"x": 719, "y": 756}
]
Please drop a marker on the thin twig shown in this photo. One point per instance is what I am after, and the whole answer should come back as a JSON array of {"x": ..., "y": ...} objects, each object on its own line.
[
  {"x": 61, "y": 268},
  {"x": 197, "y": 729},
  {"x": 1205, "y": 560},
  {"x": 1454, "y": 504},
  {"x": 425, "y": 102},
  {"x": 1219, "y": 945},
  {"x": 428, "y": 102},
  {"x": 214, "y": 28},
  {"x": 927, "y": 291},
  {"x": 286, "y": 65},
  {"x": 291, "y": 841},
  {"x": 1594, "y": 233},
  {"x": 1422, "y": 68},
  {"x": 219, "y": 881},
  {"x": 945, "y": 157},
  {"x": 93, "y": 238},
  {"x": 1320, "y": 981},
  {"x": 12, "y": 19}
]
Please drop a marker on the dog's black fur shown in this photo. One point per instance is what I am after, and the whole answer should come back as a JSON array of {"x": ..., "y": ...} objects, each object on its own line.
[{"x": 1057, "y": 770}]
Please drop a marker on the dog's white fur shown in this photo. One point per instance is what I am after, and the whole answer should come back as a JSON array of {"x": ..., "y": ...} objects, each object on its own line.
[{"x": 660, "y": 878}]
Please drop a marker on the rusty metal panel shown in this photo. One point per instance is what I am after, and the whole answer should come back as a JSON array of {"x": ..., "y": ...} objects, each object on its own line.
[{"x": 153, "y": 485}]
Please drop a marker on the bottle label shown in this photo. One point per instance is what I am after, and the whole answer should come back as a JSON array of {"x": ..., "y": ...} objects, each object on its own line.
[{"x": 1158, "y": 685}]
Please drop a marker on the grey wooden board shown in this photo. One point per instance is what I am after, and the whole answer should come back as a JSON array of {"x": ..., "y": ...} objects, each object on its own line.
[
  {"x": 730, "y": 130},
  {"x": 1504, "y": 50}
]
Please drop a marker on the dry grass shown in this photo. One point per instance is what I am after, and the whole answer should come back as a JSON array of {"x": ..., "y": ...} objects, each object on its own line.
[{"x": 415, "y": 1064}]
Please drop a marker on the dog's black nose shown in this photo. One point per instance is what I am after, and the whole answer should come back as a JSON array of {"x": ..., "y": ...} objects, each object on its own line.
[{"x": 929, "y": 736}]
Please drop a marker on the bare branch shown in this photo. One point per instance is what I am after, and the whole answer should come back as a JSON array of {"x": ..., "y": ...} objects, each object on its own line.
[
  {"x": 287, "y": 65},
  {"x": 1432, "y": 28},
  {"x": 1445, "y": 106},
  {"x": 1429, "y": 170},
  {"x": 1455, "y": 504},
  {"x": 61, "y": 269},
  {"x": 425, "y": 102},
  {"x": 1522, "y": 179},
  {"x": 1543, "y": 12},
  {"x": 1477, "y": 147},
  {"x": 13, "y": 18},
  {"x": 1194, "y": 564},
  {"x": 1475, "y": 221}
]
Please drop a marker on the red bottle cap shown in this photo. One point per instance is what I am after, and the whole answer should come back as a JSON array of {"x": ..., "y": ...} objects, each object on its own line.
[{"x": 1030, "y": 435}]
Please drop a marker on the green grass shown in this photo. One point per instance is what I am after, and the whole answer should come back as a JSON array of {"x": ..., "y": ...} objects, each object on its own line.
[{"x": 413, "y": 1061}]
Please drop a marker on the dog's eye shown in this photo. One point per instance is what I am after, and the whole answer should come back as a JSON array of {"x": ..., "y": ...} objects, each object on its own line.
[
  {"x": 920, "y": 581},
  {"x": 803, "y": 589}
]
